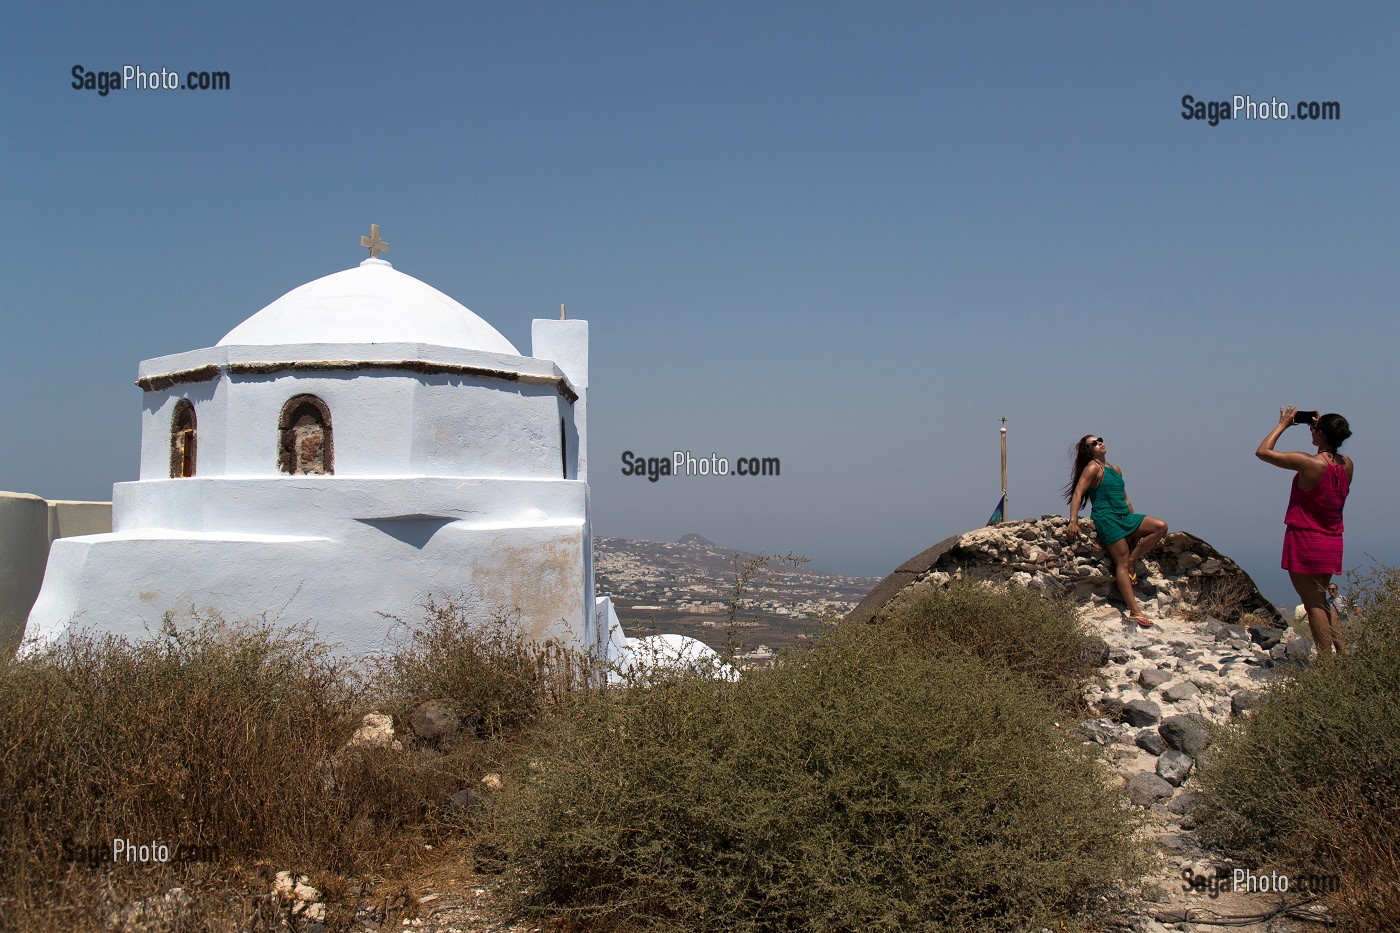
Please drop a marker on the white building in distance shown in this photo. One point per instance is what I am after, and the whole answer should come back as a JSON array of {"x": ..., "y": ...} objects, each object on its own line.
[{"x": 362, "y": 443}]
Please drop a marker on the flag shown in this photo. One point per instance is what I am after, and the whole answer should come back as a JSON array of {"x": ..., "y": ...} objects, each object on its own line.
[{"x": 997, "y": 515}]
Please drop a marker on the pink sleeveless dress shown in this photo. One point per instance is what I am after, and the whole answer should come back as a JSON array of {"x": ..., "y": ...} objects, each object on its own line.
[{"x": 1312, "y": 541}]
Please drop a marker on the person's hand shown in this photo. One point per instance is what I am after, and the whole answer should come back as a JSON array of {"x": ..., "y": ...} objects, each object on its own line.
[
  {"x": 1285, "y": 415},
  {"x": 1072, "y": 530}
]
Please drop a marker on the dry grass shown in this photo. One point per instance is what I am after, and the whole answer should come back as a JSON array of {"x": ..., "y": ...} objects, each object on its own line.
[
  {"x": 888, "y": 774},
  {"x": 1366, "y": 852},
  {"x": 1310, "y": 783},
  {"x": 1222, "y": 597},
  {"x": 227, "y": 739},
  {"x": 499, "y": 681}
]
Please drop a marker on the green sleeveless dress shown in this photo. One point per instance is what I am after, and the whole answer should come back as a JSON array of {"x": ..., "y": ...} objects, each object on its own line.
[{"x": 1111, "y": 517}]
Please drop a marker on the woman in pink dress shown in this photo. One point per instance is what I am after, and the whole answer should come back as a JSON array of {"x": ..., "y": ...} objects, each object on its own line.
[{"x": 1312, "y": 539}]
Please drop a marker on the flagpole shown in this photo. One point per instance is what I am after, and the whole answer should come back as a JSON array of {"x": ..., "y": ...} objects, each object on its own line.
[{"x": 1004, "y": 513}]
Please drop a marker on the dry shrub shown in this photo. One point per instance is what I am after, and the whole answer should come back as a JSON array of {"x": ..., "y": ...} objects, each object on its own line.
[
  {"x": 1366, "y": 851},
  {"x": 1311, "y": 783},
  {"x": 206, "y": 735},
  {"x": 1225, "y": 596},
  {"x": 851, "y": 786},
  {"x": 498, "y": 680},
  {"x": 1014, "y": 627},
  {"x": 229, "y": 738}
]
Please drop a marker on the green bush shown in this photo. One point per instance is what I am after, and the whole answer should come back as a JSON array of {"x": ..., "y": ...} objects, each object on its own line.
[
  {"x": 1312, "y": 781},
  {"x": 1012, "y": 627},
  {"x": 852, "y": 786}
]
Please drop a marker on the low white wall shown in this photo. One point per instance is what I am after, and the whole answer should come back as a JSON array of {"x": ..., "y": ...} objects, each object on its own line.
[
  {"x": 68, "y": 517},
  {"x": 24, "y": 547},
  {"x": 125, "y": 583},
  {"x": 28, "y": 525}
]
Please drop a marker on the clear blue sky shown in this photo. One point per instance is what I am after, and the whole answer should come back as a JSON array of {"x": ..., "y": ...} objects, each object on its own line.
[{"x": 849, "y": 236}]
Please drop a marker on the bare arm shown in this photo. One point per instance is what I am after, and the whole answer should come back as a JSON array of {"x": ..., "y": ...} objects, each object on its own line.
[
  {"x": 1296, "y": 461},
  {"x": 1087, "y": 479}
]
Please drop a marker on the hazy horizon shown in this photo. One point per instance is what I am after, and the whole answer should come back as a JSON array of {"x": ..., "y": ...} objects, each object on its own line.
[{"x": 848, "y": 238}]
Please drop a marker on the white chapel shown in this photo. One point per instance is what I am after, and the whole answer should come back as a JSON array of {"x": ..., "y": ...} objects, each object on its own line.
[{"x": 358, "y": 445}]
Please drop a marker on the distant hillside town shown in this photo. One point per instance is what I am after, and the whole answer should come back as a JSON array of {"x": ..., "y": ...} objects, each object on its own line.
[{"x": 687, "y": 587}]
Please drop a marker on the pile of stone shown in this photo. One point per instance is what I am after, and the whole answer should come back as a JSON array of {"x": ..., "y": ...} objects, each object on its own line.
[
  {"x": 1159, "y": 693},
  {"x": 1182, "y": 576},
  {"x": 299, "y": 899},
  {"x": 1156, "y": 700}
]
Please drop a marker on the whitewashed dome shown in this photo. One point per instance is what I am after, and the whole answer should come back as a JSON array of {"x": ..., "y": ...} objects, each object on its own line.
[{"x": 372, "y": 303}]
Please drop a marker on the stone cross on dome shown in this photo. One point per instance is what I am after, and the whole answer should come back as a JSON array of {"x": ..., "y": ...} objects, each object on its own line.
[{"x": 373, "y": 243}]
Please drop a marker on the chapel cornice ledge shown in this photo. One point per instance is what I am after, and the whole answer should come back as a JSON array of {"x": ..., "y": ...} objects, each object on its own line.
[{"x": 155, "y": 382}]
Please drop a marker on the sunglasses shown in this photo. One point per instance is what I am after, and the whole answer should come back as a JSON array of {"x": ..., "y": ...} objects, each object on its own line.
[{"x": 1097, "y": 443}]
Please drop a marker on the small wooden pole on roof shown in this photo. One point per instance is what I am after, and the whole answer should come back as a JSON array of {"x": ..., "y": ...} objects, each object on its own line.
[{"x": 1004, "y": 513}]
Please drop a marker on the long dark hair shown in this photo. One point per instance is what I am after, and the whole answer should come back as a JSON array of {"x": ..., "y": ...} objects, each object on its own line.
[
  {"x": 1334, "y": 428},
  {"x": 1081, "y": 453}
]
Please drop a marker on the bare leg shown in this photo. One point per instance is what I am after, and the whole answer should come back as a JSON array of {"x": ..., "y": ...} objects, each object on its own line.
[
  {"x": 1118, "y": 551},
  {"x": 1312, "y": 589},
  {"x": 1148, "y": 535},
  {"x": 1338, "y": 642}
]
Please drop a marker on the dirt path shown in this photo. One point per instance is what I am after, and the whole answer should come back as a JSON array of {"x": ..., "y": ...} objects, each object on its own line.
[{"x": 1200, "y": 667}]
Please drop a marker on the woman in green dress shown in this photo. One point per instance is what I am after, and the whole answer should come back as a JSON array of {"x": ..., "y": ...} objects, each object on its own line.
[{"x": 1126, "y": 535}]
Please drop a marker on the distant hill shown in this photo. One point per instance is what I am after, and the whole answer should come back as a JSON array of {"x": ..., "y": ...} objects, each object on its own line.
[
  {"x": 695, "y": 539},
  {"x": 686, "y": 587}
]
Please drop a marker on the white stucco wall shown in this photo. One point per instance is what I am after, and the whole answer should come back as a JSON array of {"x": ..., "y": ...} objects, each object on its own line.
[
  {"x": 459, "y": 471},
  {"x": 24, "y": 523},
  {"x": 323, "y": 505},
  {"x": 566, "y": 343},
  {"x": 632, "y": 660},
  {"x": 385, "y": 422},
  {"x": 333, "y": 551},
  {"x": 28, "y": 526},
  {"x": 70, "y": 517}
]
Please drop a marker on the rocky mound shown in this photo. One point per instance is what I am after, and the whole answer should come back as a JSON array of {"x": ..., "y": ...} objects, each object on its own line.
[
  {"x": 1185, "y": 576},
  {"x": 1158, "y": 693}
]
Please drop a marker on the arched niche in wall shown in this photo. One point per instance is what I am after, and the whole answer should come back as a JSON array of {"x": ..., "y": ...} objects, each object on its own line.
[
  {"x": 184, "y": 440},
  {"x": 306, "y": 444}
]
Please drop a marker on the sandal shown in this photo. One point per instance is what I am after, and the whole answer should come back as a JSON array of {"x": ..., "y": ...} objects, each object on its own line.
[{"x": 1142, "y": 621}]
